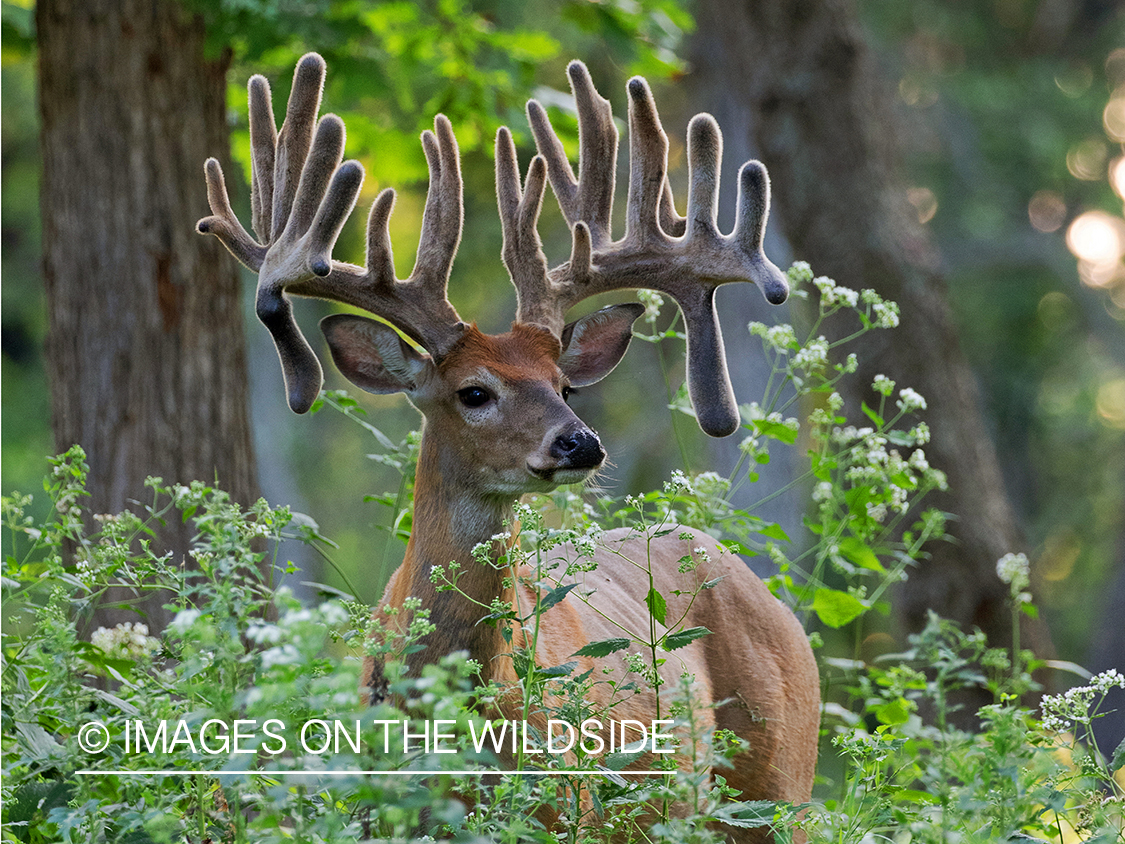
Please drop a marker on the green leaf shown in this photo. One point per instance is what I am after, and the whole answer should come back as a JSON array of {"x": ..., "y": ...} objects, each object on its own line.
[
  {"x": 683, "y": 637},
  {"x": 857, "y": 552},
  {"x": 748, "y": 815},
  {"x": 893, "y": 712},
  {"x": 774, "y": 531},
  {"x": 557, "y": 670},
  {"x": 656, "y": 604},
  {"x": 554, "y": 596},
  {"x": 617, "y": 761},
  {"x": 872, "y": 415},
  {"x": 836, "y": 608},
  {"x": 1118, "y": 761},
  {"x": 776, "y": 430},
  {"x": 604, "y": 647}
]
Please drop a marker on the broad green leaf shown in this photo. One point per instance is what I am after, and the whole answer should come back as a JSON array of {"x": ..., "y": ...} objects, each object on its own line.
[
  {"x": 893, "y": 712},
  {"x": 554, "y": 596},
  {"x": 872, "y": 415},
  {"x": 836, "y": 608},
  {"x": 776, "y": 430},
  {"x": 683, "y": 637},
  {"x": 774, "y": 531},
  {"x": 857, "y": 552},
  {"x": 748, "y": 815},
  {"x": 557, "y": 670},
  {"x": 603, "y": 647},
  {"x": 656, "y": 605}
]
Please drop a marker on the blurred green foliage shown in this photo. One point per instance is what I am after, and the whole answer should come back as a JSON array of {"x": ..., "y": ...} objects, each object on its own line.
[{"x": 1006, "y": 147}]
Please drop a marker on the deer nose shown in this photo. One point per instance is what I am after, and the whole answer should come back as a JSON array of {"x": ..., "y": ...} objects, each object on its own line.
[{"x": 578, "y": 449}]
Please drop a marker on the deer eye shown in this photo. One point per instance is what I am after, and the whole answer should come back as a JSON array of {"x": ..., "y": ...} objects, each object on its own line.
[
  {"x": 473, "y": 396},
  {"x": 567, "y": 392}
]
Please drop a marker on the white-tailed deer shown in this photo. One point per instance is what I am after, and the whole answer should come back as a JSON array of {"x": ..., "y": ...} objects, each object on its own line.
[{"x": 496, "y": 420}]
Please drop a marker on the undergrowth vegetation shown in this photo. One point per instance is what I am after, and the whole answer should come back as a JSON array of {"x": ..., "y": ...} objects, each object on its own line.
[{"x": 265, "y": 737}]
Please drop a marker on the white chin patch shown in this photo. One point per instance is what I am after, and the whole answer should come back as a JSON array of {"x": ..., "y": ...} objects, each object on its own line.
[{"x": 558, "y": 477}]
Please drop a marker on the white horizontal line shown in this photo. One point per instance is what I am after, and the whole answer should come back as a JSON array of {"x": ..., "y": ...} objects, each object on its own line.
[{"x": 406, "y": 773}]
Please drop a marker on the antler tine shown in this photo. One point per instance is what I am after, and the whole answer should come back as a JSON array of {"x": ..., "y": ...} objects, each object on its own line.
[
  {"x": 263, "y": 145},
  {"x": 301, "y": 196},
  {"x": 685, "y": 257},
  {"x": 523, "y": 250}
]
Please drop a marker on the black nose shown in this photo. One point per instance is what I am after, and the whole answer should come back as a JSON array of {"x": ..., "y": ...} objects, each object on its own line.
[{"x": 579, "y": 449}]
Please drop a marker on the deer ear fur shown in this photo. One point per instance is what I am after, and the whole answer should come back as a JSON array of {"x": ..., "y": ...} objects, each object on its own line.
[
  {"x": 371, "y": 354},
  {"x": 595, "y": 344}
]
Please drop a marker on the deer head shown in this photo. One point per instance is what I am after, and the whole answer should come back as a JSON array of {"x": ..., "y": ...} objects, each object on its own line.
[{"x": 302, "y": 194}]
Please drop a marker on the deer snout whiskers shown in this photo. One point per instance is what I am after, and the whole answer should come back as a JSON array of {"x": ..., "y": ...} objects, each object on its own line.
[
  {"x": 578, "y": 449},
  {"x": 570, "y": 455}
]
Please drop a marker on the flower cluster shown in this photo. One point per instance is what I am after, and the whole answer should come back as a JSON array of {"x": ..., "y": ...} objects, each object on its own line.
[
  {"x": 1014, "y": 570},
  {"x": 125, "y": 641},
  {"x": 833, "y": 295},
  {"x": 1074, "y": 706}
]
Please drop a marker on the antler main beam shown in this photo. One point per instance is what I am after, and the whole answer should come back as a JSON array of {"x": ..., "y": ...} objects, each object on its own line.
[
  {"x": 301, "y": 195},
  {"x": 686, "y": 258}
]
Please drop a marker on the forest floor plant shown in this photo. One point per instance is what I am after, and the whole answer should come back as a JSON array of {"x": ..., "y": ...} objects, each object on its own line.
[{"x": 266, "y": 738}]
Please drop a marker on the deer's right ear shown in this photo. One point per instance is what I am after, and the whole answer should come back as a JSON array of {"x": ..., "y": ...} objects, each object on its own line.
[{"x": 372, "y": 355}]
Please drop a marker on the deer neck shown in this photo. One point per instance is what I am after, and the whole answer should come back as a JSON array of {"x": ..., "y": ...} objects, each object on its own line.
[{"x": 451, "y": 518}]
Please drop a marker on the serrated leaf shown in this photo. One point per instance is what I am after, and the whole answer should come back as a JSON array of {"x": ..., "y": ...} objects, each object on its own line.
[
  {"x": 604, "y": 647},
  {"x": 836, "y": 608},
  {"x": 656, "y": 604},
  {"x": 617, "y": 761},
  {"x": 683, "y": 637},
  {"x": 1118, "y": 761},
  {"x": 748, "y": 815},
  {"x": 554, "y": 596},
  {"x": 557, "y": 670}
]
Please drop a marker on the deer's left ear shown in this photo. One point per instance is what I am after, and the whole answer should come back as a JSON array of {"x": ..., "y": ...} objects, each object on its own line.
[
  {"x": 371, "y": 355},
  {"x": 595, "y": 344}
]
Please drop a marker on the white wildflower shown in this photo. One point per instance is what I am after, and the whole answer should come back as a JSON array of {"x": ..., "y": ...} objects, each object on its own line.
[
  {"x": 184, "y": 619},
  {"x": 886, "y": 315},
  {"x": 918, "y": 460},
  {"x": 286, "y": 654},
  {"x": 883, "y": 385},
  {"x": 1014, "y": 570},
  {"x": 678, "y": 483},
  {"x": 125, "y": 641},
  {"x": 813, "y": 356},
  {"x": 910, "y": 400},
  {"x": 653, "y": 302}
]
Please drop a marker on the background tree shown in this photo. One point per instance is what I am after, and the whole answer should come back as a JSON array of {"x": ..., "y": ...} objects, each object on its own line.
[
  {"x": 859, "y": 167},
  {"x": 145, "y": 351}
]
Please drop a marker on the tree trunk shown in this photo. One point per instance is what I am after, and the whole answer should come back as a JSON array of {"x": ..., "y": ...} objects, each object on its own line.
[
  {"x": 145, "y": 349},
  {"x": 823, "y": 123}
]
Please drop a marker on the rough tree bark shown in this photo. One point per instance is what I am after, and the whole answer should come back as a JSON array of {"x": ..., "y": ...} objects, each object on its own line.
[
  {"x": 823, "y": 124},
  {"x": 145, "y": 350}
]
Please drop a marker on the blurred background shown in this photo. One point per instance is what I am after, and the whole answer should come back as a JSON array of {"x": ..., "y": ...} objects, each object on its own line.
[{"x": 964, "y": 159}]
